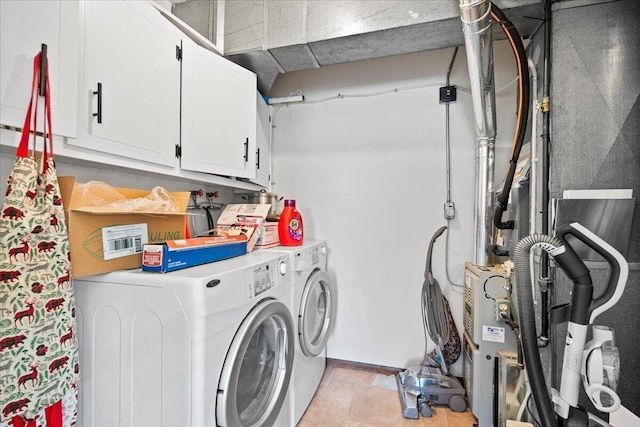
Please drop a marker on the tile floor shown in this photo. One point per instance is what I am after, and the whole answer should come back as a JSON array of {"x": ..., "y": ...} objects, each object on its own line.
[{"x": 349, "y": 398}]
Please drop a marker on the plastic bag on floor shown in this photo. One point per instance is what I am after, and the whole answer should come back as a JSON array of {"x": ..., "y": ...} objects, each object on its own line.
[{"x": 385, "y": 381}]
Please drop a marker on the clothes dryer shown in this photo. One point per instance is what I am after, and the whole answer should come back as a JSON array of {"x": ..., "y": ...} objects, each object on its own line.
[
  {"x": 211, "y": 345},
  {"x": 313, "y": 297}
]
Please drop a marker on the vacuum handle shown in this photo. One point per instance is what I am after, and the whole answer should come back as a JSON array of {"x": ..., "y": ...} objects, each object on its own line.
[
  {"x": 619, "y": 267},
  {"x": 437, "y": 234},
  {"x": 568, "y": 260}
]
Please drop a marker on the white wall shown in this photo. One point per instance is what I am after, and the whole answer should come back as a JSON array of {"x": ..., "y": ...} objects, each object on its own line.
[{"x": 368, "y": 175}]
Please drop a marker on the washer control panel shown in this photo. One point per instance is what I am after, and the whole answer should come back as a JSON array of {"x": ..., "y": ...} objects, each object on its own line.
[
  {"x": 262, "y": 279},
  {"x": 267, "y": 276}
]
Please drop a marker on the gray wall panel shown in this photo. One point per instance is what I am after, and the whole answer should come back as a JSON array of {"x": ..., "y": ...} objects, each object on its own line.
[{"x": 595, "y": 143}]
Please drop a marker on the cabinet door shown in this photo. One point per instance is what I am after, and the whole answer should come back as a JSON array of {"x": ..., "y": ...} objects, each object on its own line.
[
  {"x": 24, "y": 27},
  {"x": 218, "y": 114},
  {"x": 263, "y": 142},
  {"x": 132, "y": 78}
]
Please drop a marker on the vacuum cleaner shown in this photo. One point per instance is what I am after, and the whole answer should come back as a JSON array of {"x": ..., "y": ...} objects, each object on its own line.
[
  {"x": 595, "y": 364},
  {"x": 420, "y": 387}
]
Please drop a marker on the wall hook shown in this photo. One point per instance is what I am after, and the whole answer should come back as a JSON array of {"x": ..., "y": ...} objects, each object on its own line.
[{"x": 43, "y": 70}]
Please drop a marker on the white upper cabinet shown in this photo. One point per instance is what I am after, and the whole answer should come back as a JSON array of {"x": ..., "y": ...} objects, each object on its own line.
[
  {"x": 132, "y": 86},
  {"x": 24, "y": 27},
  {"x": 218, "y": 114},
  {"x": 263, "y": 142},
  {"x": 130, "y": 92}
]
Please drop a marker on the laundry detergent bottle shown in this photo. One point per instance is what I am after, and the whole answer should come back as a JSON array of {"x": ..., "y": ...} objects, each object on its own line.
[{"x": 290, "y": 228}]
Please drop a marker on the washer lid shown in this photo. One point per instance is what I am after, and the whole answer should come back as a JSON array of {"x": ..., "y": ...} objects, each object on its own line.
[
  {"x": 256, "y": 372},
  {"x": 316, "y": 313}
]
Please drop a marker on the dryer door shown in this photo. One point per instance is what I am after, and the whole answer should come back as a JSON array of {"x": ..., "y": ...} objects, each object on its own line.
[
  {"x": 256, "y": 372},
  {"x": 316, "y": 313}
]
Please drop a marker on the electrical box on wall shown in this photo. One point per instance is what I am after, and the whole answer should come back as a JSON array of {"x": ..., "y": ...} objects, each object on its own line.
[{"x": 448, "y": 94}]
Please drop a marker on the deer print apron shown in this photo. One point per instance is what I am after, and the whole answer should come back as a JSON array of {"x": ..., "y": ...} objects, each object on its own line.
[{"x": 38, "y": 345}]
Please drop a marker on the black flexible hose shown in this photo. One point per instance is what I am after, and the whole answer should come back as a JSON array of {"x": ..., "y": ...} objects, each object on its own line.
[
  {"x": 523, "y": 112},
  {"x": 527, "y": 320},
  {"x": 210, "y": 221}
]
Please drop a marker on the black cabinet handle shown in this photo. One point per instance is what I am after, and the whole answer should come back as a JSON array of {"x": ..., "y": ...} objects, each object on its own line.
[
  {"x": 99, "y": 93},
  {"x": 42, "y": 88},
  {"x": 258, "y": 158},
  {"x": 246, "y": 150}
]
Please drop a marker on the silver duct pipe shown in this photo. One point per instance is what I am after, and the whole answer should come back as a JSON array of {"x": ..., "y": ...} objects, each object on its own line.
[{"x": 476, "y": 24}]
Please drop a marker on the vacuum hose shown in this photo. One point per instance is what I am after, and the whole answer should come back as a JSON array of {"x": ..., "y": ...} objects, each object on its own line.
[{"x": 527, "y": 319}]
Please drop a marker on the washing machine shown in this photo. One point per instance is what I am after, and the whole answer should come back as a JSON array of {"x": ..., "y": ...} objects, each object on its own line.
[
  {"x": 211, "y": 345},
  {"x": 313, "y": 297}
]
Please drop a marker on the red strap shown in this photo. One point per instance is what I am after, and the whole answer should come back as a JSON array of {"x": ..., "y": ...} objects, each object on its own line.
[
  {"x": 23, "y": 148},
  {"x": 53, "y": 413},
  {"x": 48, "y": 130},
  {"x": 35, "y": 121}
]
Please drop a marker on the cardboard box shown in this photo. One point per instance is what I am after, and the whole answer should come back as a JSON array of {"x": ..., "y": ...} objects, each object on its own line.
[
  {"x": 178, "y": 254},
  {"x": 268, "y": 235},
  {"x": 103, "y": 240},
  {"x": 247, "y": 219},
  {"x": 249, "y": 230}
]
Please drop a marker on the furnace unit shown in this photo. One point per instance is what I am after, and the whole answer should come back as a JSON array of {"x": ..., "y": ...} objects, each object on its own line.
[{"x": 486, "y": 301}]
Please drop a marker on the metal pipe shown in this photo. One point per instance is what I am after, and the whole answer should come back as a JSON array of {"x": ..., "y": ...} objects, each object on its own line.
[
  {"x": 545, "y": 123},
  {"x": 533, "y": 187},
  {"x": 545, "y": 281},
  {"x": 476, "y": 24},
  {"x": 543, "y": 339}
]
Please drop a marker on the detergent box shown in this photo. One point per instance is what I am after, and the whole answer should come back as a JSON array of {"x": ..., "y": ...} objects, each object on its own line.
[
  {"x": 183, "y": 253},
  {"x": 249, "y": 220},
  {"x": 268, "y": 236}
]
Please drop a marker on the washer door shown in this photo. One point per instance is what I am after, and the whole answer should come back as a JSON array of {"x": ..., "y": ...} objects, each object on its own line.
[
  {"x": 256, "y": 372},
  {"x": 316, "y": 313}
]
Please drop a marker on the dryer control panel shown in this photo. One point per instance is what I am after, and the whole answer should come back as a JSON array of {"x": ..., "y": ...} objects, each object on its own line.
[{"x": 315, "y": 256}]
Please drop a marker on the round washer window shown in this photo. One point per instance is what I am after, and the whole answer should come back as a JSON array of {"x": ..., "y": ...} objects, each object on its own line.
[
  {"x": 256, "y": 373},
  {"x": 316, "y": 313}
]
